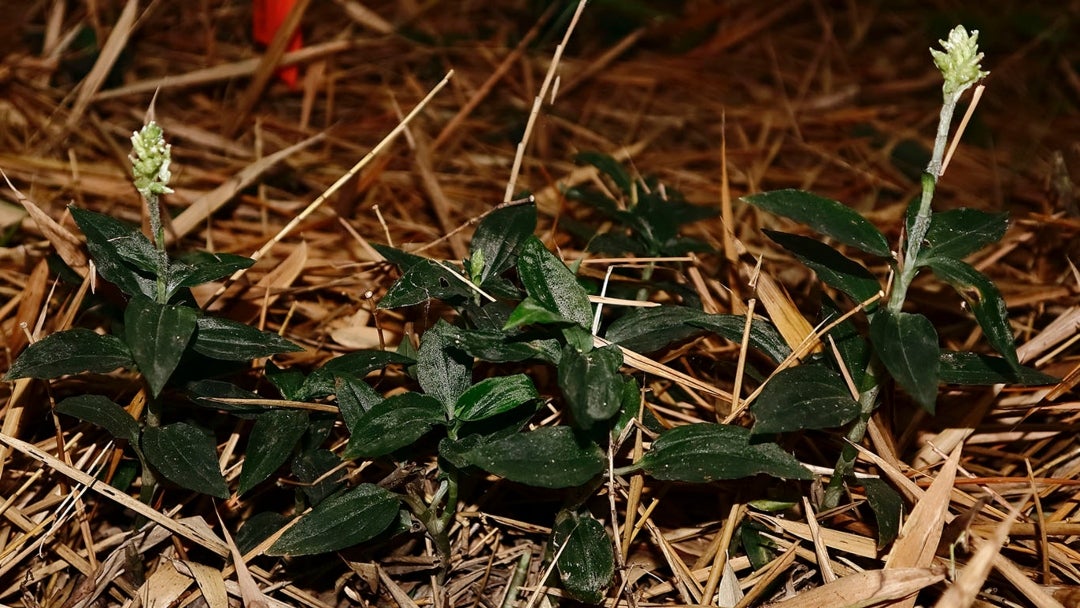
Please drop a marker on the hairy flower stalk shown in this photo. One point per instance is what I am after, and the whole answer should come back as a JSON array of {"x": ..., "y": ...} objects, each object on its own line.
[
  {"x": 150, "y": 158},
  {"x": 959, "y": 64}
]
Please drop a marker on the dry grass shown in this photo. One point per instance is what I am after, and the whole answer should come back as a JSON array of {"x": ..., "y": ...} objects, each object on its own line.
[{"x": 802, "y": 94}]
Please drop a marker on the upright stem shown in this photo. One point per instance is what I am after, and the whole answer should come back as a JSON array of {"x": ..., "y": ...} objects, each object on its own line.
[{"x": 906, "y": 272}]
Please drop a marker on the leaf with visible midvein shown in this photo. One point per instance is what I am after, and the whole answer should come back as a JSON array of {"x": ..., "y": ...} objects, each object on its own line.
[
  {"x": 548, "y": 281},
  {"x": 186, "y": 456},
  {"x": 832, "y": 267},
  {"x": 549, "y": 457},
  {"x": 984, "y": 300},
  {"x": 340, "y": 521},
  {"x": 699, "y": 453},
  {"x": 958, "y": 232},
  {"x": 586, "y": 561},
  {"x": 70, "y": 352},
  {"x": 157, "y": 335},
  {"x": 803, "y": 397},
  {"x": 908, "y": 346},
  {"x": 824, "y": 216}
]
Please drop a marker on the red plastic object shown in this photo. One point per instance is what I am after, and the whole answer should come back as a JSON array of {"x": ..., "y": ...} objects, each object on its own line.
[{"x": 267, "y": 17}]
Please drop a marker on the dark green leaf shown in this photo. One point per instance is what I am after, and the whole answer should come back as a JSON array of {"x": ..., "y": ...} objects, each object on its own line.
[
  {"x": 647, "y": 330},
  {"x": 424, "y": 281},
  {"x": 258, "y": 528},
  {"x": 610, "y": 167},
  {"x": 228, "y": 340},
  {"x": 500, "y": 236},
  {"x": 500, "y": 346},
  {"x": 70, "y": 352},
  {"x": 763, "y": 335},
  {"x": 206, "y": 392},
  {"x": 591, "y": 383},
  {"x": 101, "y": 233},
  {"x": 700, "y": 453},
  {"x": 532, "y": 312},
  {"x": 340, "y": 521},
  {"x": 984, "y": 300},
  {"x": 908, "y": 346},
  {"x": 586, "y": 560},
  {"x": 311, "y": 468},
  {"x": 186, "y": 456},
  {"x": 984, "y": 370},
  {"x": 157, "y": 335},
  {"x": 202, "y": 266},
  {"x": 803, "y": 397},
  {"x": 354, "y": 398},
  {"x": 103, "y": 412},
  {"x": 831, "y": 266},
  {"x": 958, "y": 232},
  {"x": 444, "y": 371},
  {"x": 548, "y": 281},
  {"x": 887, "y": 506},
  {"x": 494, "y": 396},
  {"x": 360, "y": 363},
  {"x": 758, "y": 547},
  {"x": 395, "y": 423},
  {"x": 289, "y": 382},
  {"x": 824, "y": 216},
  {"x": 549, "y": 457},
  {"x": 269, "y": 445}
]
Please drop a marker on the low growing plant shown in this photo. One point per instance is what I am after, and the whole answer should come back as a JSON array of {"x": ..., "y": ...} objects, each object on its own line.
[{"x": 513, "y": 302}]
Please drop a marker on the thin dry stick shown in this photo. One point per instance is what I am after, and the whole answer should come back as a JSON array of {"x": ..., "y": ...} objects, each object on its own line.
[
  {"x": 334, "y": 187},
  {"x": 963, "y": 125},
  {"x": 540, "y": 100},
  {"x": 115, "y": 495},
  {"x": 721, "y": 555}
]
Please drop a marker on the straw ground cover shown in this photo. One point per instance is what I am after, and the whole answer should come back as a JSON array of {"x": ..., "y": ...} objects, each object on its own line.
[{"x": 433, "y": 507}]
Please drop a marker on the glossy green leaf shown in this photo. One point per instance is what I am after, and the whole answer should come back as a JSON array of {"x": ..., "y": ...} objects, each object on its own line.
[
  {"x": 908, "y": 346},
  {"x": 700, "y": 453},
  {"x": 887, "y": 506},
  {"x": 425, "y": 280},
  {"x": 646, "y": 330},
  {"x": 186, "y": 456},
  {"x": 271, "y": 442},
  {"x": 394, "y": 423},
  {"x": 70, "y": 352},
  {"x": 360, "y": 363},
  {"x": 206, "y": 392},
  {"x": 831, "y": 266},
  {"x": 258, "y": 528},
  {"x": 586, "y": 559},
  {"x": 103, "y": 412},
  {"x": 759, "y": 548},
  {"x": 157, "y": 335},
  {"x": 493, "y": 396},
  {"x": 532, "y": 312},
  {"x": 957, "y": 233},
  {"x": 549, "y": 457},
  {"x": 501, "y": 346},
  {"x": 548, "y": 281},
  {"x": 609, "y": 167},
  {"x": 803, "y": 397},
  {"x": 499, "y": 238},
  {"x": 824, "y": 216},
  {"x": 763, "y": 335},
  {"x": 228, "y": 340},
  {"x": 443, "y": 370},
  {"x": 984, "y": 300},
  {"x": 311, "y": 468},
  {"x": 354, "y": 398},
  {"x": 102, "y": 233},
  {"x": 202, "y": 267},
  {"x": 591, "y": 383},
  {"x": 340, "y": 522},
  {"x": 983, "y": 370}
]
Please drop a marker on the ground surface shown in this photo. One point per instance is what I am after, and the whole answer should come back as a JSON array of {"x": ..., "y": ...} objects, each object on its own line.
[{"x": 838, "y": 98}]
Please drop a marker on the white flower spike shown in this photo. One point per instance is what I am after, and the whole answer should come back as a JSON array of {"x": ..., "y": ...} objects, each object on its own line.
[{"x": 959, "y": 62}]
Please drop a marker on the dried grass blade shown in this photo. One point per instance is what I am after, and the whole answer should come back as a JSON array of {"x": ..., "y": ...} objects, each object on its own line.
[
  {"x": 967, "y": 585},
  {"x": 211, "y": 583},
  {"x": 115, "y": 43},
  {"x": 204, "y": 206},
  {"x": 866, "y": 588},
  {"x": 179, "y": 528}
]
